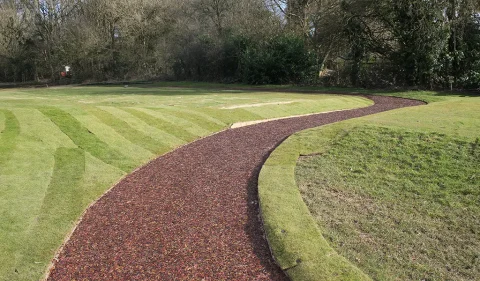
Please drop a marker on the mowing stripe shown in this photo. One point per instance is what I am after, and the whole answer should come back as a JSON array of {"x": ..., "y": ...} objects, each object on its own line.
[
  {"x": 163, "y": 125},
  {"x": 86, "y": 140},
  {"x": 8, "y": 135},
  {"x": 194, "y": 117},
  {"x": 199, "y": 114},
  {"x": 160, "y": 136},
  {"x": 189, "y": 126},
  {"x": 231, "y": 116},
  {"x": 64, "y": 194},
  {"x": 2, "y": 121},
  {"x": 131, "y": 134},
  {"x": 61, "y": 206},
  {"x": 108, "y": 135},
  {"x": 40, "y": 131}
]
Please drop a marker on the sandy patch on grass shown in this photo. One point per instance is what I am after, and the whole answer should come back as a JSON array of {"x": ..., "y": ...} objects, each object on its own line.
[
  {"x": 256, "y": 104},
  {"x": 248, "y": 123}
]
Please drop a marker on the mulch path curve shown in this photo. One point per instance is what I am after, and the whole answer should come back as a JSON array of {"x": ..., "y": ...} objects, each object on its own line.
[{"x": 191, "y": 214}]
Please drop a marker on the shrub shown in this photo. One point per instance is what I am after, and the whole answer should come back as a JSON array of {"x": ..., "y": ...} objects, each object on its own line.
[{"x": 283, "y": 59}]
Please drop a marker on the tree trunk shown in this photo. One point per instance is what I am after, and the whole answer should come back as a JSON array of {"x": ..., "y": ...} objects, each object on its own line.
[{"x": 296, "y": 15}]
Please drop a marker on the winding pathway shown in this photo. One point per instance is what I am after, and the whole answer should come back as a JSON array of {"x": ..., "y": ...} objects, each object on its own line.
[{"x": 191, "y": 214}]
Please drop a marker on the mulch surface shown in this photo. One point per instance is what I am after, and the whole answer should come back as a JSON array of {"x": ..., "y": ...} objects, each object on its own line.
[{"x": 191, "y": 214}]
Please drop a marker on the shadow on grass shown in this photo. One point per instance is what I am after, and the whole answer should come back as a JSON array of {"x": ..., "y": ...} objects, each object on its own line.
[
  {"x": 461, "y": 94},
  {"x": 209, "y": 88}
]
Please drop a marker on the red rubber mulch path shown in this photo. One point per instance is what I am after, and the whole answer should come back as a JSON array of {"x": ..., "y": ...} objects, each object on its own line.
[{"x": 191, "y": 214}]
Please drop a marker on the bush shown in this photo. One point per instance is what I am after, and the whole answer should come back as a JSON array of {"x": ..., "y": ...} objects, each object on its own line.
[{"x": 283, "y": 59}]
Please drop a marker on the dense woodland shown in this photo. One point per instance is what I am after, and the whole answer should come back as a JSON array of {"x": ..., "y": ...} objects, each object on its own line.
[{"x": 362, "y": 43}]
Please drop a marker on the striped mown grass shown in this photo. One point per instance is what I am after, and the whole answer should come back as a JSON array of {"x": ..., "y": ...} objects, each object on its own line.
[
  {"x": 191, "y": 127},
  {"x": 85, "y": 139},
  {"x": 59, "y": 210},
  {"x": 124, "y": 129},
  {"x": 165, "y": 137},
  {"x": 63, "y": 147},
  {"x": 162, "y": 125},
  {"x": 202, "y": 120}
]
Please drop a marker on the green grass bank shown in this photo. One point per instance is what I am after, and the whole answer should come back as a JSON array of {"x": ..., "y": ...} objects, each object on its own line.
[{"x": 392, "y": 196}]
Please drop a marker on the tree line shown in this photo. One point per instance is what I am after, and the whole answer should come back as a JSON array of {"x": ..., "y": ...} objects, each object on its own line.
[{"x": 363, "y": 43}]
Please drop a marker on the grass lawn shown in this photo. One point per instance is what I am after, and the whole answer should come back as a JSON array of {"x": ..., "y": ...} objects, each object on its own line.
[
  {"x": 392, "y": 196},
  {"x": 63, "y": 147}
]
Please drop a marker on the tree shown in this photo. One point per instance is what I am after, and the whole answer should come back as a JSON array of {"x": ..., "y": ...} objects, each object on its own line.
[
  {"x": 422, "y": 35},
  {"x": 461, "y": 59},
  {"x": 367, "y": 42}
]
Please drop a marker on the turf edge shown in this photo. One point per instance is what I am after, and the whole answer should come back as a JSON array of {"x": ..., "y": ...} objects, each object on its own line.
[{"x": 295, "y": 240}]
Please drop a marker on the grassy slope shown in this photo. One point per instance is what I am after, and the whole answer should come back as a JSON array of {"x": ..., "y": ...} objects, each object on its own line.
[
  {"x": 455, "y": 117},
  {"x": 61, "y": 148},
  {"x": 400, "y": 205}
]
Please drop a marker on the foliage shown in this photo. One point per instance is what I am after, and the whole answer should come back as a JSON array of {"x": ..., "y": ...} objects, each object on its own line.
[
  {"x": 366, "y": 43},
  {"x": 209, "y": 60},
  {"x": 467, "y": 67},
  {"x": 284, "y": 59},
  {"x": 426, "y": 42}
]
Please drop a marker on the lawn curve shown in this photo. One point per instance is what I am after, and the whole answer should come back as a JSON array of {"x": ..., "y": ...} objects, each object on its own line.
[{"x": 192, "y": 213}]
